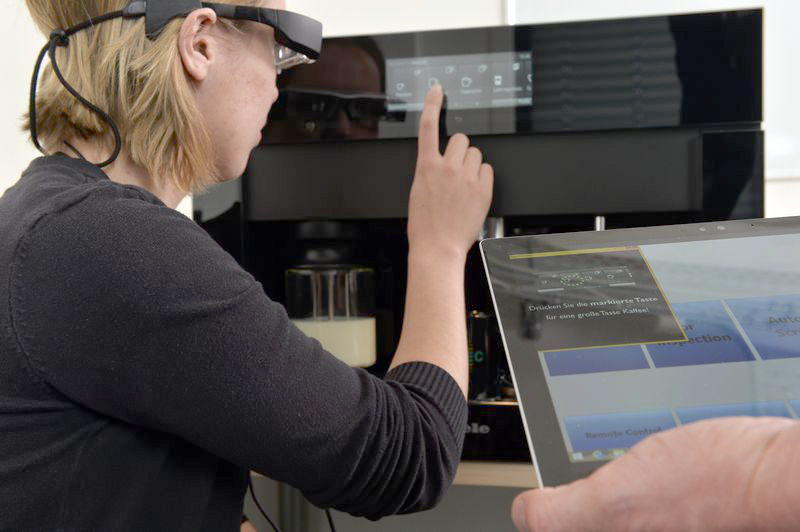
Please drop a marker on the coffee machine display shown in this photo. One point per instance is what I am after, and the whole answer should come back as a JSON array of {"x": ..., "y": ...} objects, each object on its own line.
[{"x": 613, "y": 123}]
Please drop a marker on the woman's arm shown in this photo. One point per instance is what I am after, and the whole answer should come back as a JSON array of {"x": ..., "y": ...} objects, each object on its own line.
[{"x": 448, "y": 205}]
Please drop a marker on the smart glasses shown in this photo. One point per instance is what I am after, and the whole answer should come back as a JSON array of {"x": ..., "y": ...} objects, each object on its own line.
[
  {"x": 298, "y": 38},
  {"x": 298, "y": 41}
]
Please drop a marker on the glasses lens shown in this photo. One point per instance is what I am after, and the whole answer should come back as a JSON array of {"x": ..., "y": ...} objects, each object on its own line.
[{"x": 286, "y": 58}]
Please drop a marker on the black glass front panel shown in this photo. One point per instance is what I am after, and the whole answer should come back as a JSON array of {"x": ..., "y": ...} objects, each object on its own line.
[
  {"x": 633, "y": 177},
  {"x": 668, "y": 71}
]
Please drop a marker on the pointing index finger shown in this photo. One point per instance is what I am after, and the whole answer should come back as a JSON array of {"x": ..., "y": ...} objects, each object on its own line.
[{"x": 429, "y": 123}]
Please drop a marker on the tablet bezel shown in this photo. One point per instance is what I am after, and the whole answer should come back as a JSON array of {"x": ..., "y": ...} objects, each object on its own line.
[{"x": 542, "y": 430}]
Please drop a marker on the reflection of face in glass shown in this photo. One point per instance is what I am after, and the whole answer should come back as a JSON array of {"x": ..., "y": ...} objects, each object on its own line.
[
  {"x": 314, "y": 112},
  {"x": 339, "y": 97}
]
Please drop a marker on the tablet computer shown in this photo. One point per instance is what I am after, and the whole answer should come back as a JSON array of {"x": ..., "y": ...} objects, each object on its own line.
[{"x": 612, "y": 336}]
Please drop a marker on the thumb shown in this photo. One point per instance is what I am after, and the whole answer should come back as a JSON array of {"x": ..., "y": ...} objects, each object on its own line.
[{"x": 569, "y": 508}]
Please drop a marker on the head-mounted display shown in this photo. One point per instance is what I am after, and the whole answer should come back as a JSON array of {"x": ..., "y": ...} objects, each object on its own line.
[{"x": 298, "y": 41}]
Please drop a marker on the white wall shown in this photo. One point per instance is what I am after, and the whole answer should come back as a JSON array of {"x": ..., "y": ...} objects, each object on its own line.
[
  {"x": 781, "y": 72},
  {"x": 353, "y": 17},
  {"x": 20, "y": 41}
]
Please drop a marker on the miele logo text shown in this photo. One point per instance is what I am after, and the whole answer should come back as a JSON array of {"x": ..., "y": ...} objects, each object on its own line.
[{"x": 474, "y": 428}]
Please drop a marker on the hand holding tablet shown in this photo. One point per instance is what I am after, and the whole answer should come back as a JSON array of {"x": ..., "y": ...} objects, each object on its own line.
[{"x": 723, "y": 474}]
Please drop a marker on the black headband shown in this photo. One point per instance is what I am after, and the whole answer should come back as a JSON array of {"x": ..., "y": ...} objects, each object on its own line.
[
  {"x": 158, "y": 13},
  {"x": 295, "y": 31}
]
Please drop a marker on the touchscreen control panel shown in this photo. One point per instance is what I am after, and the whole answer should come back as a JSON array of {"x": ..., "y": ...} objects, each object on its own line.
[{"x": 474, "y": 81}]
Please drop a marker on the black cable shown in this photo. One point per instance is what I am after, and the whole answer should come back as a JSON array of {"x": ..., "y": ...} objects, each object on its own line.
[
  {"x": 330, "y": 519},
  {"x": 260, "y": 509},
  {"x": 58, "y": 38},
  {"x": 32, "y": 110}
]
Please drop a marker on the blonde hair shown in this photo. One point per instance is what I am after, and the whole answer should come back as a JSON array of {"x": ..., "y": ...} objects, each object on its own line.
[{"x": 141, "y": 83}]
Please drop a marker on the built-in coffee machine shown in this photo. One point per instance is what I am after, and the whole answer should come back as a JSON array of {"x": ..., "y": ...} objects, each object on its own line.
[{"x": 590, "y": 125}]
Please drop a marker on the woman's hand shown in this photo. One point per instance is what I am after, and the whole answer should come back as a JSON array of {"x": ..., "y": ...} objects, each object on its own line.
[
  {"x": 451, "y": 193},
  {"x": 449, "y": 201}
]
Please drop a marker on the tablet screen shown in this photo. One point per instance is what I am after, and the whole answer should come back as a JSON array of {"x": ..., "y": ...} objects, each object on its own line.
[{"x": 615, "y": 336}]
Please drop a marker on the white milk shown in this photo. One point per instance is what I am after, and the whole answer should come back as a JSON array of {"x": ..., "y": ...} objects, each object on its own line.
[{"x": 352, "y": 341}]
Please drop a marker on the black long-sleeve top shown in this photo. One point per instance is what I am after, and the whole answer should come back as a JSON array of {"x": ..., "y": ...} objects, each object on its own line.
[{"x": 143, "y": 373}]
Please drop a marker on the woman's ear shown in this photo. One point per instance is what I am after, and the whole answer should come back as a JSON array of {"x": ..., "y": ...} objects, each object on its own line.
[{"x": 195, "y": 42}]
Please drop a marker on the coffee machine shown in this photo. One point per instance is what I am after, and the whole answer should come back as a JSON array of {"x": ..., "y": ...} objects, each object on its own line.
[{"x": 590, "y": 125}]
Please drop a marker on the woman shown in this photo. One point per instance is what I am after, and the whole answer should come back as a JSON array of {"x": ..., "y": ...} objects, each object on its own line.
[{"x": 142, "y": 371}]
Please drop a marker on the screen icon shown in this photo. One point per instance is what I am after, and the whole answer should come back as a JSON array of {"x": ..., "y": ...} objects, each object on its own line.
[
  {"x": 433, "y": 82},
  {"x": 498, "y": 80},
  {"x": 466, "y": 82},
  {"x": 449, "y": 69},
  {"x": 483, "y": 68}
]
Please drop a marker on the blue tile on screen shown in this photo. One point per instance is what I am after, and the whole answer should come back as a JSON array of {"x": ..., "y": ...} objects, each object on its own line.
[
  {"x": 771, "y": 323},
  {"x": 713, "y": 338},
  {"x": 577, "y": 361}
]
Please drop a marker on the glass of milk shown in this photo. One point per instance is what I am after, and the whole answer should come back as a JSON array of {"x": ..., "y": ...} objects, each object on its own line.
[{"x": 336, "y": 306}]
